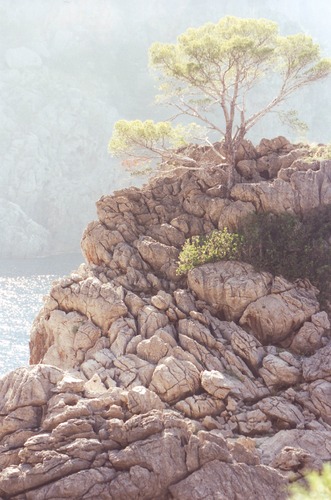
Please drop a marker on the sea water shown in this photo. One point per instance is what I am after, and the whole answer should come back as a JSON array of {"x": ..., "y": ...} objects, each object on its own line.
[{"x": 23, "y": 284}]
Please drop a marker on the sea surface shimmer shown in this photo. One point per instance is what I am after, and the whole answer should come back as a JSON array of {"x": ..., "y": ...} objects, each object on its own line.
[{"x": 23, "y": 284}]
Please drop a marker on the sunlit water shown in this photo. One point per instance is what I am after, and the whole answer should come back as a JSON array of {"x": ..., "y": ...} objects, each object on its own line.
[{"x": 23, "y": 284}]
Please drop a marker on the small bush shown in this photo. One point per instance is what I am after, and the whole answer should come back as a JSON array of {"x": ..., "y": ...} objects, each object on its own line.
[
  {"x": 218, "y": 245},
  {"x": 286, "y": 245},
  {"x": 272, "y": 242},
  {"x": 319, "y": 486},
  {"x": 282, "y": 244}
]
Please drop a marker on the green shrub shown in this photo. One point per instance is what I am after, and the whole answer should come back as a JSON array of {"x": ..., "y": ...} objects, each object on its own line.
[
  {"x": 319, "y": 486},
  {"x": 272, "y": 242},
  {"x": 218, "y": 245},
  {"x": 286, "y": 245},
  {"x": 282, "y": 244}
]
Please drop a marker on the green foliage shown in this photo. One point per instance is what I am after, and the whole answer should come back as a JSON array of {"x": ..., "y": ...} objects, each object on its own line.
[
  {"x": 291, "y": 119},
  {"x": 145, "y": 141},
  {"x": 212, "y": 54},
  {"x": 210, "y": 73},
  {"x": 218, "y": 245},
  {"x": 274, "y": 243},
  {"x": 129, "y": 135},
  {"x": 282, "y": 244},
  {"x": 286, "y": 245},
  {"x": 319, "y": 486},
  {"x": 224, "y": 61}
]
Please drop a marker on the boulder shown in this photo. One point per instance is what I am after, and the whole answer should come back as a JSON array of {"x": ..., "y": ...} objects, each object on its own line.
[
  {"x": 318, "y": 366},
  {"x": 175, "y": 379},
  {"x": 276, "y": 372},
  {"x": 314, "y": 442},
  {"x": 230, "y": 481},
  {"x": 273, "y": 317},
  {"x": 219, "y": 384},
  {"x": 100, "y": 302},
  {"x": 278, "y": 408},
  {"x": 228, "y": 286},
  {"x": 320, "y": 393},
  {"x": 308, "y": 339}
]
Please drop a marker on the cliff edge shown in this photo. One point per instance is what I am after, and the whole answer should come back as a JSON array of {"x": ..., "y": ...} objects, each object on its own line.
[{"x": 145, "y": 384}]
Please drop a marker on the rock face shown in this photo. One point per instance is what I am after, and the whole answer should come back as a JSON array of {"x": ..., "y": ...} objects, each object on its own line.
[
  {"x": 229, "y": 286},
  {"x": 148, "y": 385}
]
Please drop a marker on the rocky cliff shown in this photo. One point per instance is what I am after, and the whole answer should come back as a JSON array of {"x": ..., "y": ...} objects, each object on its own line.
[{"x": 148, "y": 385}]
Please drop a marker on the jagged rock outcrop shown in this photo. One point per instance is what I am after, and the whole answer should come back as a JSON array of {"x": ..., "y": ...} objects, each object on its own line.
[
  {"x": 58, "y": 442},
  {"x": 214, "y": 385}
]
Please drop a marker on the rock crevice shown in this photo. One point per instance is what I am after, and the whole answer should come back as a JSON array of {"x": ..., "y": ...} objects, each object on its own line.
[{"x": 148, "y": 385}]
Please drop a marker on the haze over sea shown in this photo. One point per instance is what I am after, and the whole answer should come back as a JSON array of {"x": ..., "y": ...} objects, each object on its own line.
[{"x": 23, "y": 284}]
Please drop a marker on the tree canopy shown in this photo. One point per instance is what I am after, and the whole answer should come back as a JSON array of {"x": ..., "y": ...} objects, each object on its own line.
[{"x": 211, "y": 74}]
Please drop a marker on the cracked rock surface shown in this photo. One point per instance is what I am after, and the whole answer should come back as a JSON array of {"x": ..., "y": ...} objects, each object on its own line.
[{"x": 147, "y": 385}]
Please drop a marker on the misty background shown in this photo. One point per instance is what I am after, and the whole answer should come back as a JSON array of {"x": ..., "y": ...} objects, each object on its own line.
[{"x": 70, "y": 68}]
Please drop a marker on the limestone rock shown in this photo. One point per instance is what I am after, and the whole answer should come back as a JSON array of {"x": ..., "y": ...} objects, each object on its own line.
[
  {"x": 243, "y": 451},
  {"x": 175, "y": 386},
  {"x": 307, "y": 339},
  {"x": 297, "y": 460},
  {"x": 315, "y": 443},
  {"x": 28, "y": 386},
  {"x": 159, "y": 256},
  {"x": 230, "y": 481},
  {"x": 278, "y": 373},
  {"x": 153, "y": 349},
  {"x": 321, "y": 320},
  {"x": 278, "y": 408},
  {"x": 300, "y": 194},
  {"x": 247, "y": 346},
  {"x": 150, "y": 319},
  {"x": 184, "y": 300},
  {"x": 275, "y": 197},
  {"x": 200, "y": 406},
  {"x": 228, "y": 286},
  {"x": 162, "y": 300},
  {"x": 101, "y": 303},
  {"x": 253, "y": 422},
  {"x": 130, "y": 371},
  {"x": 199, "y": 332},
  {"x": 277, "y": 144},
  {"x": 234, "y": 213},
  {"x": 162, "y": 455},
  {"x": 201, "y": 353},
  {"x": 219, "y": 384},
  {"x": 174, "y": 379},
  {"x": 142, "y": 400},
  {"x": 72, "y": 336},
  {"x": 98, "y": 243},
  {"x": 85, "y": 483},
  {"x": 320, "y": 393},
  {"x": 247, "y": 168},
  {"x": 318, "y": 366},
  {"x": 273, "y": 317},
  {"x": 94, "y": 386}
]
